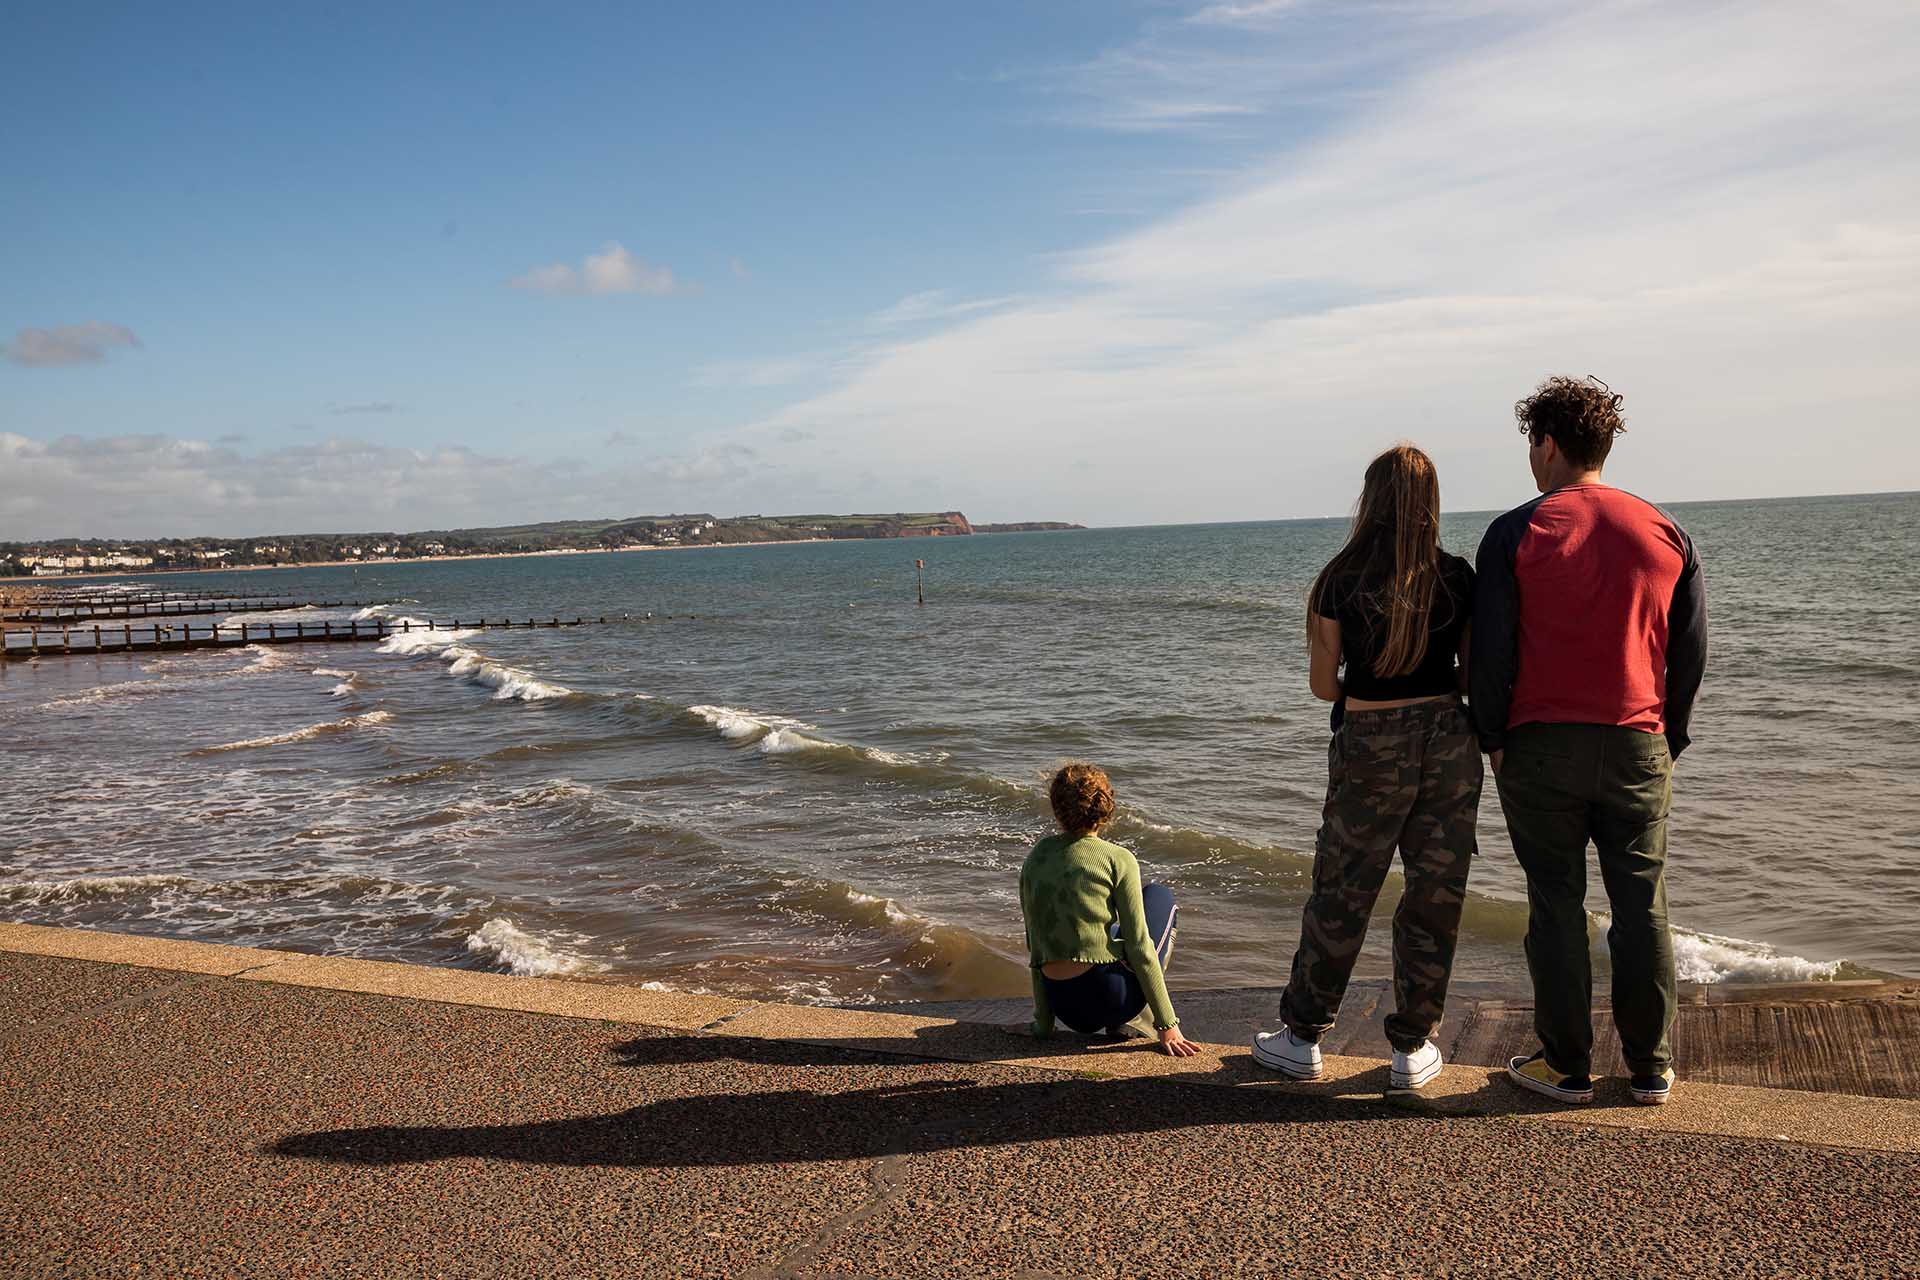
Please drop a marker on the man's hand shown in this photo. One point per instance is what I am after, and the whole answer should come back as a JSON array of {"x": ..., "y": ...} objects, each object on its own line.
[
  {"x": 1494, "y": 758},
  {"x": 1175, "y": 1045}
]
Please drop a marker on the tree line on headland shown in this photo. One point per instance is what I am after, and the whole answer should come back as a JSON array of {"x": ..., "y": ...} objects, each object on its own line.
[{"x": 96, "y": 555}]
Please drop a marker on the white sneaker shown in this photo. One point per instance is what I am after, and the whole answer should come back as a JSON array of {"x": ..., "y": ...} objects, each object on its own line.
[
  {"x": 1412, "y": 1070},
  {"x": 1288, "y": 1054}
]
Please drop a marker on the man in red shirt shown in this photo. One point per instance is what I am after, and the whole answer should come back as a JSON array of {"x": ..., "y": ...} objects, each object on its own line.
[{"x": 1589, "y": 641}]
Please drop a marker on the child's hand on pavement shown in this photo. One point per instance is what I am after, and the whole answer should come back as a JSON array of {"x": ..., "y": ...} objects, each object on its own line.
[{"x": 1175, "y": 1045}]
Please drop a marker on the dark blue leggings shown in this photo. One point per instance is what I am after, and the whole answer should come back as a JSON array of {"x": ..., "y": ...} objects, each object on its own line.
[{"x": 1108, "y": 994}]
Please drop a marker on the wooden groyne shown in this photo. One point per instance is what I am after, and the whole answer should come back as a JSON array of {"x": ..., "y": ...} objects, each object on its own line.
[
  {"x": 55, "y": 595},
  {"x": 73, "y": 641}
]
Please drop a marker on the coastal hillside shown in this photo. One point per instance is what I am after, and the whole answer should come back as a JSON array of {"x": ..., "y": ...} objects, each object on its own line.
[{"x": 80, "y": 555}]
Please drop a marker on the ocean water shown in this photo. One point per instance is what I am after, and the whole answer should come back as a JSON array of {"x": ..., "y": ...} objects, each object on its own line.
[{"x": 801, "y": 785}]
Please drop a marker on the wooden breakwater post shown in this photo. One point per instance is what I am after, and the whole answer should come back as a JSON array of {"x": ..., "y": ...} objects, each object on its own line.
[{"x": 919, "y": 581}]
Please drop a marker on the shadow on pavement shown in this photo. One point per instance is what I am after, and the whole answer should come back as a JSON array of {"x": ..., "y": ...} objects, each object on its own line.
[{"x": 756, "y": 1125}]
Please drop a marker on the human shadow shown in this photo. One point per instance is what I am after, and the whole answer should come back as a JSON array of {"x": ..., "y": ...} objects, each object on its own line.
[{"x": 936, "y": 1106}]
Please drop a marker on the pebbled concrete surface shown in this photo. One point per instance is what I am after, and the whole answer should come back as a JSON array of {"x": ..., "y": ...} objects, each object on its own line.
[{"x": 222, "y": 1126}]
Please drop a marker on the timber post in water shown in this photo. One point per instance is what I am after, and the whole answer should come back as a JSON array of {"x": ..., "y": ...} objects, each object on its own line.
[{"x": 919, "y": 583}]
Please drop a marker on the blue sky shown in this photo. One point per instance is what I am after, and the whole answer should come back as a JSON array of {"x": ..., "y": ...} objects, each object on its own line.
[{"x": 269, "y": 268}]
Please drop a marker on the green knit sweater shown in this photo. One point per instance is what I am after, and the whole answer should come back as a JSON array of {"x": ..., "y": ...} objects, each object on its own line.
[{"x": 1072, "y": 891}]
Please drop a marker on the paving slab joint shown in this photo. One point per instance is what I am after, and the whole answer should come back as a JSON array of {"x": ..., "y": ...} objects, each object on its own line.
[
  {"x": 256, "y": 968},
  {"x": 110, "y": 1006},
  {"x": 886, "y": 1180},
  {"x": 724, "y": 1019}
]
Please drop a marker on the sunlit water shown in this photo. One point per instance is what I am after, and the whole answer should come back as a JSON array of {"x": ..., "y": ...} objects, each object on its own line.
[{"x": 815, "y": 789}]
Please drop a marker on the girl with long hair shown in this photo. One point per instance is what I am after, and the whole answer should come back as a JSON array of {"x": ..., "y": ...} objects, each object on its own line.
[{"x": 1388, "y": 625}]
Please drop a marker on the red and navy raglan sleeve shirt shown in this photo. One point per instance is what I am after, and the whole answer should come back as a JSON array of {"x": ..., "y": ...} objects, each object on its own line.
[{"x": 1590, "y": 608}]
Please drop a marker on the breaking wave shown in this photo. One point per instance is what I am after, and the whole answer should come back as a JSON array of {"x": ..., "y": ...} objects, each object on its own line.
[
  {"x": 1711, "y": 958},
  {"x": 264, "y": 659},
  {"x": 782, "y": 735},
  {"x": 527, "y": 955},
  {"x": 470, "y": 664},
  {"x": 302, "y": 735},
  {"x": 88, "y": 888}
]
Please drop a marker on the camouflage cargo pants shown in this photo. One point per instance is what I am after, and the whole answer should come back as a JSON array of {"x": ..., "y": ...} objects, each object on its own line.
[{"x": 1406, "y": 777}]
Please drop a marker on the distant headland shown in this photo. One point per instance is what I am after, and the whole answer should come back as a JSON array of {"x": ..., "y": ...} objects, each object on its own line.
[{"x": 59, "y": 556}]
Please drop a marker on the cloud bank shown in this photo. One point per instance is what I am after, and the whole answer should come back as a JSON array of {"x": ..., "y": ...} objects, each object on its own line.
[
  {"x": 1715, "y": 209},
  {"x": 143, "y": 486},
  {"x": 86, "y": 343}
]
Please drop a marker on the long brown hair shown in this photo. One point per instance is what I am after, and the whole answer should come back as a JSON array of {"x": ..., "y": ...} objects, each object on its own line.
[{"x": 1392, "y": 554}]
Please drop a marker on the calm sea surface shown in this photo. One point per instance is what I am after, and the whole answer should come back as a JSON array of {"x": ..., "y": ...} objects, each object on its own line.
[{"x": 816, "y": 790}]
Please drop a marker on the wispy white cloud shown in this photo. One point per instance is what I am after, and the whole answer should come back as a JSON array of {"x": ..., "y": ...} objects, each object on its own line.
[
  {"x": 1718, "y": 209},
  {"x": 927, "y": 306},
  {"x": 739, "y": 269},
  {"x": 1248, "y": 13},
  {"x": 864, "y": 343},
  {"x": 365, "y": 406},
  {"x": 86, "y": 343},
  {"x": 613, "y": 270}
]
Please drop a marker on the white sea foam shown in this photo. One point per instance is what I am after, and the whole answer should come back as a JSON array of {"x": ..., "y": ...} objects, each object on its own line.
[
  {"x": 735, "y": 724},
  {"x": 104, "y": 692},
  {"x": 894, "y": 912},
  {"x": 540, "y": 795},
  {"x": 781, "y": 741},
  {"x": 505, "y": 681},
  {"x": 775, "y": 735},
  {"x": 421, "y": 640},
  {"x": 87, "y": 888},
  {"x": 302, "y": 735},
  {"x": 264, "y": 659},
  {"x": 1708, "y": 957},
  {"x": 527, "y": 954},
  {"x": 345, "y": 678},
  {"x": 471, "y": 665}
]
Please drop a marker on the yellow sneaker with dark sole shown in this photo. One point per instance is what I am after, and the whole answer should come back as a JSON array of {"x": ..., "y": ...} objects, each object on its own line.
[{"x": 1537, "y": 1074}]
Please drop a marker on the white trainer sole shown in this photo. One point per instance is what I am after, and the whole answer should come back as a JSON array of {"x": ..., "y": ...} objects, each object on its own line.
[
  {"x": 1413, "y": 1081},
  {"x": 1291, "y": 1070}
]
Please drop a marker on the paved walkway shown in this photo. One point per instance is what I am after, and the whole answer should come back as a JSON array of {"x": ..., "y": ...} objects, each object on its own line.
[{"x": 178, "y": 1109}]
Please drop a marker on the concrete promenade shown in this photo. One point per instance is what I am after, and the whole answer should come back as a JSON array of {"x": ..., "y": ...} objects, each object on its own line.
[{"x": 183, "y": 1109}]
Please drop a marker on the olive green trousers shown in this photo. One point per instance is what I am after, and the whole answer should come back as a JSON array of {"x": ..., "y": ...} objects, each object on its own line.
[{"x": 1561, "y": 786}]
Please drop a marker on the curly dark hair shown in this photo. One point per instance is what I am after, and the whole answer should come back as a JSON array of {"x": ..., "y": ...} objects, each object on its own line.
[
  {"x": 1581, "y": 415},
  {"x": 1082, "y": 798}
]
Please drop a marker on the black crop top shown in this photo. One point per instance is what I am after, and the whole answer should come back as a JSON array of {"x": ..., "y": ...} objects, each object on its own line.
[{"x": 1363, "y": 632}]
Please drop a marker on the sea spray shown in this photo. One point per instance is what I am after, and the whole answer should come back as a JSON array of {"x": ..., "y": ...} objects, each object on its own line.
[
  {"x": 526, "y": 954},
  {"x": 1711, "y": 958},
  {"x": 470, "y": 665}
]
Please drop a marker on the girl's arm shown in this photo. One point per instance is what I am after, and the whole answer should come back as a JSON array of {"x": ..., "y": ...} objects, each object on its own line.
[
  {"x": 1042, "y": 1011},
  {"x": 1142, "y": 957},
  {"x": 1323, "y": 657},
  {"x": 1042, "y": 1026}
]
